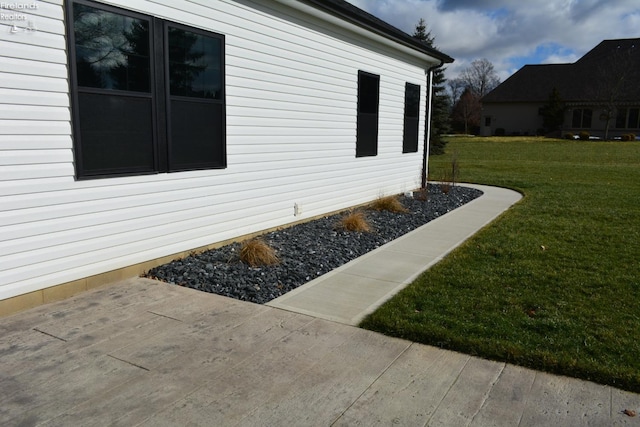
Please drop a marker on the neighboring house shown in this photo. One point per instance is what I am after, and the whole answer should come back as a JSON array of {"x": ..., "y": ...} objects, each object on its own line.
[
  {"x": 600, "y": 91},
  {"x": 132, "y": 132}
]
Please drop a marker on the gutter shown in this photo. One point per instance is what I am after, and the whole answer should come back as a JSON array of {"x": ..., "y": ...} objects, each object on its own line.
[{"x": 355, "y": 20}]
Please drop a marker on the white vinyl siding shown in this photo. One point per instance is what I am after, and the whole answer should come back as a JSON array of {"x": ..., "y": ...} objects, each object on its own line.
[{"x": 291, "y": 95}]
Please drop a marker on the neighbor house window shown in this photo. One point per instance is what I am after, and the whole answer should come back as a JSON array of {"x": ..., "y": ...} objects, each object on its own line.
[
  {"x": 147, "y": 94},
  {"x": 628, "y": 118},
  {"x": 581, "y": 118},
  {"x": 411, "y": 118},
  {"x": 367, "y": 121}
]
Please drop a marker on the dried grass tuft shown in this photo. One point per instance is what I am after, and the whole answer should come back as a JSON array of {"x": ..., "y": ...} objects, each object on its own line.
[
  {"x": 354, "y": 221},
  {"x": 389, "y": 203},
  {"x": 257, "y": 253}
]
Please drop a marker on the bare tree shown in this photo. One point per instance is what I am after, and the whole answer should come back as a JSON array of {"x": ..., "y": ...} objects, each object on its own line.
[
  {"x": 614, "y": 78},
  {"x": 480, "y": 77},
  {"x": 467, "y": 111},
  {"x": 456, "y": 88}
]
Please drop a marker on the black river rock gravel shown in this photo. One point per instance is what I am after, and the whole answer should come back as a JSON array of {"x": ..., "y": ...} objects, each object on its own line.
[{"x": 305, "y": 250}]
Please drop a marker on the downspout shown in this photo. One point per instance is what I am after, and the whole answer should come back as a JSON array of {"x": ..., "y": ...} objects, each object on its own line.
[{"x": 427, "y": 137}]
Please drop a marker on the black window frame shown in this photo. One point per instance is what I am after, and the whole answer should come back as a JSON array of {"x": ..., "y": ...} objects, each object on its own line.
[
  {"x": 367, "y": 114},
  {"x": 160, "y": 145},
  {"x": 411, "y": 118}
]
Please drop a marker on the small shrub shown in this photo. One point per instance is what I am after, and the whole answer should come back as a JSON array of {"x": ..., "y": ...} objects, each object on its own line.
[
  {"x": 568, "y": 136},
  {"x": 421, "y": 194},
  {"x": 445, "y": 186},
  {"x": 584, "y": 136},
  {"x": 354, "y": 221},
  {"x": 257, "y": 252},
  {"x": 388, "y": 203},
  {"x": 628, "y": 137}
]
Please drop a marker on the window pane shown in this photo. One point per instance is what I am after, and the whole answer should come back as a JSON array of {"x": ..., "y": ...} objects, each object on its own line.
[
  {"x": 195, "y": 64},
  {"x": 368, "y": 87},
  {"x": 411, "y": 100},
  {"x": 116, "y": 134},
  {"x": 577, "y": 119},
  {"x": 112, "y": 50},
  {"x": 621, "y": 118},
  {"x": 367, "y": 121},
  {"x": 197, "y": 135},
  {"x": 586, "y": 118},
  {"x": 633, "y": 118}
]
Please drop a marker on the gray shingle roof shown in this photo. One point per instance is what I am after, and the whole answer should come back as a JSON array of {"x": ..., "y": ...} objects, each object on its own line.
[{"x": 587, "y": 80}]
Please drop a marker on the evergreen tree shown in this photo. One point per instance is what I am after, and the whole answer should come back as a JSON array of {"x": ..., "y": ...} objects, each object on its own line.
[
  {"x": 553, "y": 112},
  {"x": 440, "y": 105}
]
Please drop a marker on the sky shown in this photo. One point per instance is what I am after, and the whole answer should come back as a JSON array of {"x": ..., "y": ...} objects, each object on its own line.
[{"x": 512, "y": 33}]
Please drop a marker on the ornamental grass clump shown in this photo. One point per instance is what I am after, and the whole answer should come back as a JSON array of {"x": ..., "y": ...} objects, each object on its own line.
[
  {"x": 257, "y": 253},
  {"x": 354, "y": 221},
  {"x": 390, "y": 204}
]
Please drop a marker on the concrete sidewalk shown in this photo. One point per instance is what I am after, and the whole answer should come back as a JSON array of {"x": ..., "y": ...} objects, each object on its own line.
[
  {"x": 142, "y": 352},
  {"x": 350, "y": 292}
]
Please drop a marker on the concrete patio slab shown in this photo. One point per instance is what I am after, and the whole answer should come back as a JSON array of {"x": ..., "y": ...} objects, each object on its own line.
[{"x": 218, "y": 361}]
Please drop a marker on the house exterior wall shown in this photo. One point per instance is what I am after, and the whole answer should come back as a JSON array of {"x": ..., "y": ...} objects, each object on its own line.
[
  {"x": 624, "y": 120},
  {"x": 515, "y": 119},
  {"x": 291, "y": 96}
]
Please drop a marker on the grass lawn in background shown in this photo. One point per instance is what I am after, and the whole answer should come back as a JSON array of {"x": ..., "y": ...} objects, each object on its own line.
[{"x": 554, "y": 283}]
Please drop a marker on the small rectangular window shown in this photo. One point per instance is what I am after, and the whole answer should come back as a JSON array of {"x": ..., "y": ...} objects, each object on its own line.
[
  {"x": 411, "y": 118},
  {"x": 367, "y": 121},
  {"x": 581, "y": 118},
  {"x": 621, "y": 118}
]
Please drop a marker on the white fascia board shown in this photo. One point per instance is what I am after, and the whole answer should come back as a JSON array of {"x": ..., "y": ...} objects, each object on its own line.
[{"x": 429, "y": 61}]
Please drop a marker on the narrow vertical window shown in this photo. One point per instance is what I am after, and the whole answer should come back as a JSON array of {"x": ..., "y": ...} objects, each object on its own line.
[
  {"x": 112, "y": 67},
  {"x": 634, "y": 118},
  {"x": 411, "y": 118},
  {"x": 367, "y": 122},
  {"x": 195, "y": 99},
  {"x": 586, "y": 118}
]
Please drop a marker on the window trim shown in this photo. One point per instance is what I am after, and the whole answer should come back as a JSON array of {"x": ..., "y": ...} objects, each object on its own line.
[{"x": 159, "y": 95}]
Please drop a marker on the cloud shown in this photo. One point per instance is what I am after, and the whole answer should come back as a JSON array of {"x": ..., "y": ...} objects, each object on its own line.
[{"x": 509, "y": 32}]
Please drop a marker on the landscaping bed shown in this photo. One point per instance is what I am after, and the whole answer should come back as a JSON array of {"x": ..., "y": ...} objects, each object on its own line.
[{"x": 307, "y": 250}]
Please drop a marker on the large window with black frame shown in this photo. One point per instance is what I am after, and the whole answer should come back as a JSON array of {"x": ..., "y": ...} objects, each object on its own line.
[{"x": 148, "y": 95}]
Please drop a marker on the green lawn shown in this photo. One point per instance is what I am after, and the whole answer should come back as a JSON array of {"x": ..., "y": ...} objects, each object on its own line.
[{"x": 554, "y": 283}]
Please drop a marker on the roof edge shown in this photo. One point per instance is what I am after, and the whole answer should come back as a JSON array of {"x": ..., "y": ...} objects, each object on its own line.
[{"x": 359, "y": 17}]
